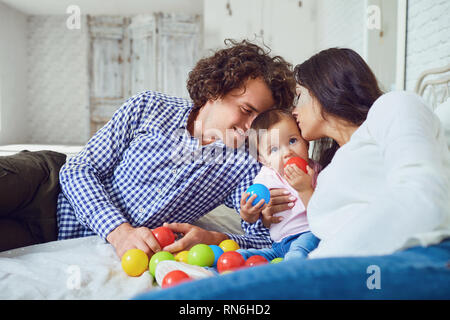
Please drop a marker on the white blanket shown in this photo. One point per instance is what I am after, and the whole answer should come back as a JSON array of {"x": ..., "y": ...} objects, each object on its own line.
[{"x": 84, "y": 268}]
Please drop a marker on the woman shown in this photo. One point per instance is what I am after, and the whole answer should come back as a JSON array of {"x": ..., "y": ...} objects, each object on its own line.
[
  {"x": 381, "y": 205},
  {"x": 388, "y": 182}
]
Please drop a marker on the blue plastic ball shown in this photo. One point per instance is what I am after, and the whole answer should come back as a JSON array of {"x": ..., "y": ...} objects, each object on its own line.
[
  {"x": 261, "y": 191},
  {"x": 217, "y": 253}
]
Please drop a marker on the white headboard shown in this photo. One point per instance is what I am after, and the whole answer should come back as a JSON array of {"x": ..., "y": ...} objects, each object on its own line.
[{"x": 433, "y": 85}]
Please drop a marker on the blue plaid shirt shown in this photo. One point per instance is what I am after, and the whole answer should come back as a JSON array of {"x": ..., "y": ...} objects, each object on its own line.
[{"x": 143, "y": 167}]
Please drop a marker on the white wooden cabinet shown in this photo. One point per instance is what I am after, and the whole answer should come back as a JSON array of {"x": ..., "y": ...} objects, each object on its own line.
[{"x": 129, "y": 55}]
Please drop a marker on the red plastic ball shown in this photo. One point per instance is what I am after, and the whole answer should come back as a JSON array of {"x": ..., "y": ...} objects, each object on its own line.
[
  {"x": 230, "y": 260},
  {"x": 255, "y": 260},
  {"x": 164, "y": 236},
  {"x": 300, "y": 162},
  {"x": 174, "y": 277}
]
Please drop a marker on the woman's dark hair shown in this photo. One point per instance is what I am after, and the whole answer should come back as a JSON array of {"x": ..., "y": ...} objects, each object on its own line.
[
  {"x": 215, "y": 76},
  {"x": 345, "y": 87}
]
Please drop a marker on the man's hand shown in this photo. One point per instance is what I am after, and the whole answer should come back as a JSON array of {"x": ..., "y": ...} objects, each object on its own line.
[
  {"x": 125, "y": 237},
  {"x": 251, "y": 213},
  {"x": 192, "y": 235},
  {"x": 280, "y": 200}
]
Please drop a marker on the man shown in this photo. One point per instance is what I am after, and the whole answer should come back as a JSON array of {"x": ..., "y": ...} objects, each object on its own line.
[{"x": 128, "y": 179}]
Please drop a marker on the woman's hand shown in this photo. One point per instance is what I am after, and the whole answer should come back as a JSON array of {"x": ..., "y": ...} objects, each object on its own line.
[
  {"x": 280, "y": 200},
  {"x": 251, "y": 213},
  {"x": 192, "y": 235}
]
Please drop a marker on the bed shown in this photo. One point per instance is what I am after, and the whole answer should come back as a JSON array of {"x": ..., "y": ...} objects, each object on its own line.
[
  {"x": 69, "y": 150},
  {"x": 433, "y": 87},
  {"x": 88, "y": 268}
]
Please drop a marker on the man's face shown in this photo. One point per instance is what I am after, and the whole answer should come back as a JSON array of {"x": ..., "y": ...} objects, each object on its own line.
[{"x": 230, "y": 117}]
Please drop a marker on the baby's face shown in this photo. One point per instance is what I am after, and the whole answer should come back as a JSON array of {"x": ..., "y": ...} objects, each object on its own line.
[{"x": 281, "y": 142}]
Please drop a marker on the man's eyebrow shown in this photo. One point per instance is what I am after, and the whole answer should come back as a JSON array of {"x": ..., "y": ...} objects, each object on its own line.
[{"x": 251, "y": 107}]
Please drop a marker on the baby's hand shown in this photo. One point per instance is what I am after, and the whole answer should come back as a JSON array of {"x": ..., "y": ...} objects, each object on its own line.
[
  {"x": 298, "y": 179},
  {"x": 251, "y": 213}
]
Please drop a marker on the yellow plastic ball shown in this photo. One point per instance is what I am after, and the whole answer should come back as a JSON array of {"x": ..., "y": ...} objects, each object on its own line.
[
  {"x": 229, "y": 245},
  {"x": 182, "y": 256},
  {"x": 134, "y": 262}
]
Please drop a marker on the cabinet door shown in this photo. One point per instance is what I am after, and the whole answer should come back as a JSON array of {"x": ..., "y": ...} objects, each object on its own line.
[
  {"x": 179, "y": 48},
  {"x": 385, "y": 41},
  {"x": 147, "y": 52},
  {"x": 142, "y": 31},
  {"x": 108, "y": 54}
]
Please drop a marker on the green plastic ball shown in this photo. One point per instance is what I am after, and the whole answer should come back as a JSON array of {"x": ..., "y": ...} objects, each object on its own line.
[
  {"x": 276, "y": 260},
  {"x": 201, "y": 255},
  {"x": 157, "y": 258}
]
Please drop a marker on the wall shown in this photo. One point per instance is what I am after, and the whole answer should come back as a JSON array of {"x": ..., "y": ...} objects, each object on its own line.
[
  {"x": 13, "y": 103},
  {"x": 289, "y": 30},
  {"x": 106, "y": 7},
  {"x": 58, "y": 91},
  {"x": 341, "y": 23},
  {"x": 428, "y": 37},
  {"x": 350, "y": 23}
]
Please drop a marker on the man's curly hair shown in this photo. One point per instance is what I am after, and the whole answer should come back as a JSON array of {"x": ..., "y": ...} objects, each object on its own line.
[{"x": 215, "y": 76}]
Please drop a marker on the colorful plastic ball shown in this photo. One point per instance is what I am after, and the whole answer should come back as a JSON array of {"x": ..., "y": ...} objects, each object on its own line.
[
  {"x": 230, "y": 260},
  {"x": 217, "y": 253},
  {"x": 164, "y": 236},
  {"x": 300, "y": 162},
  {"x": 201, "y": 255},
  {"x": 229, "y": 245},
  {"x": 276, "y": 260},
  {"x": 174, "y": 277},
  {"x": 255, "y": 260},
  {"x": 157, "y": 258},
  {"x": 182, "y": 256},
  {"x": 134, "y": 262},
  {"x": 261, "y": 191}
]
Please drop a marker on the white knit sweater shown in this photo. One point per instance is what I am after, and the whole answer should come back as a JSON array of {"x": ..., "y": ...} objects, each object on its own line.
[{"x": 388, "y": 188}]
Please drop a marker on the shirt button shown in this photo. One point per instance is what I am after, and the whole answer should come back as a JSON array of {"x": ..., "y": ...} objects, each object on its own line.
[
  {"x": 141, "y": 210},
  {"x": 158, "y": 190},
  {"x": 174, "y": 171}
]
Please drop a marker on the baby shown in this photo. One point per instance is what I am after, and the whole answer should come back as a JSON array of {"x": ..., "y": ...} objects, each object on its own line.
[{"x": 278, "y": 139}]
